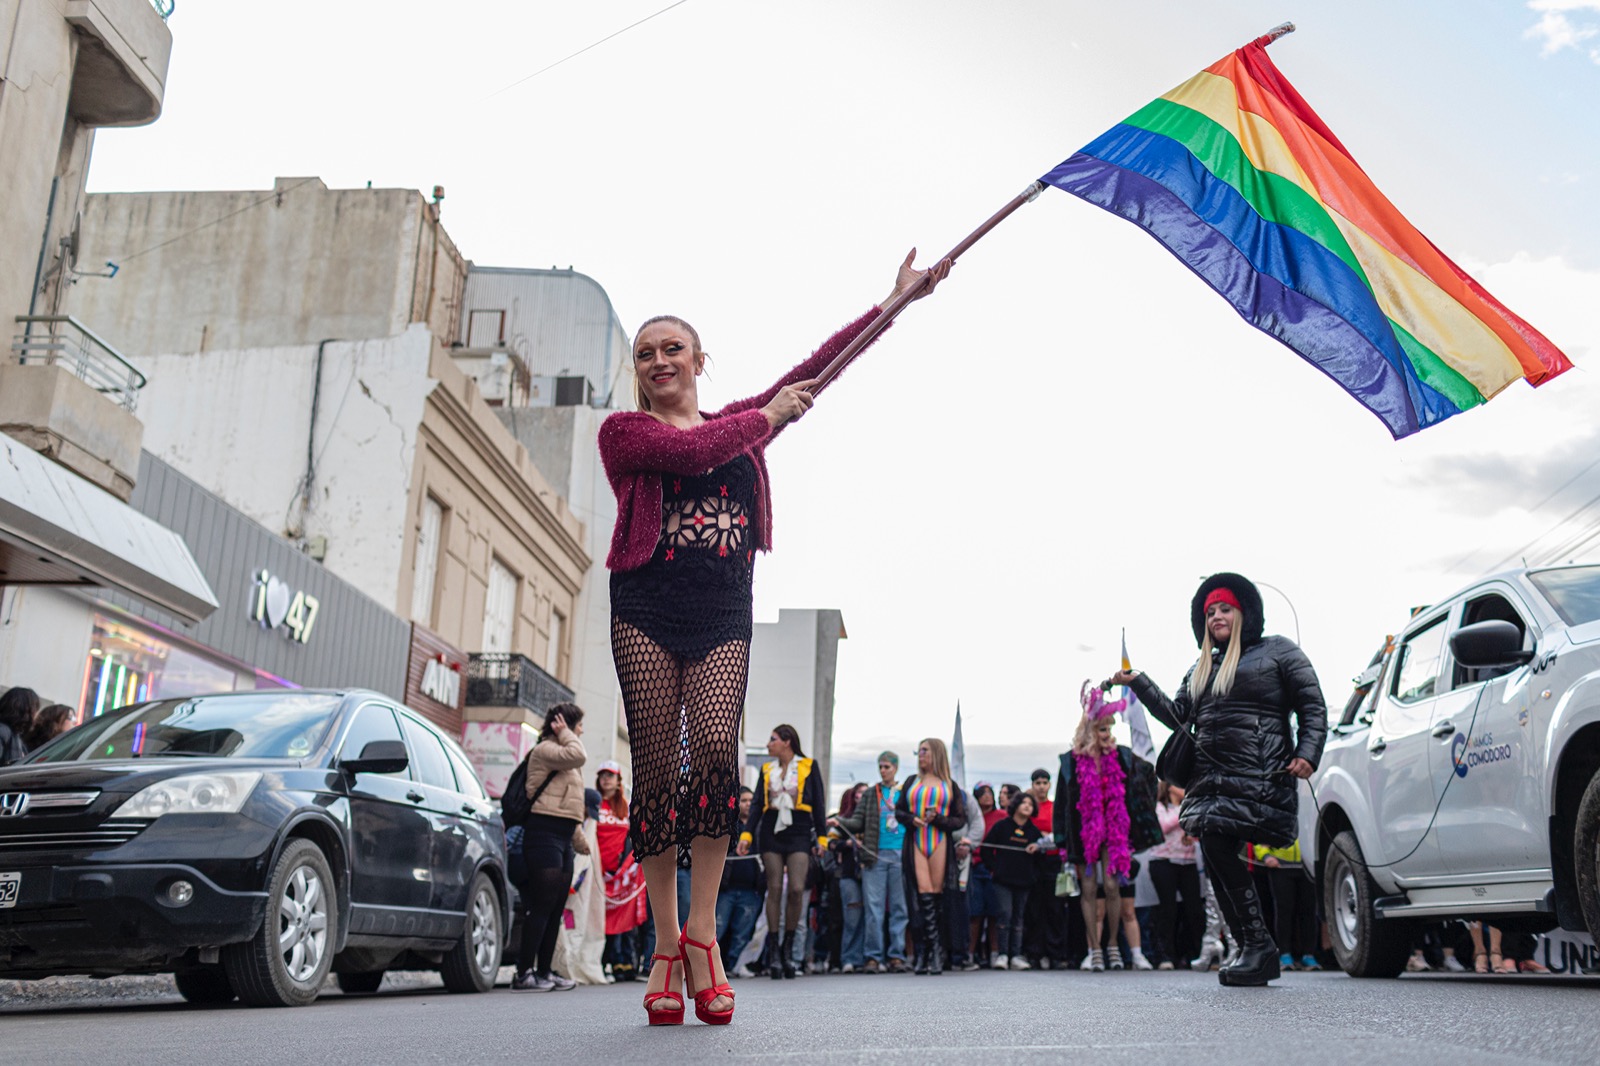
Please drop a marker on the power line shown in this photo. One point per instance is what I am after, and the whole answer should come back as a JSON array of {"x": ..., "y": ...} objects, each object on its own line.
[
  {"x": 586, "y": 48},
  {"x": 1534, "y": 510},
  {"x": 273, "y": 195}
]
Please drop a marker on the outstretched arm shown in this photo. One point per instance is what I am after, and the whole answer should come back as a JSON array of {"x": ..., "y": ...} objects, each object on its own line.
[{"x": 633, "y": 442}]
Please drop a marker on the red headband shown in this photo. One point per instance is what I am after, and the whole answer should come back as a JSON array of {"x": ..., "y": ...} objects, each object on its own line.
[{"x": 1221, "y": 595}]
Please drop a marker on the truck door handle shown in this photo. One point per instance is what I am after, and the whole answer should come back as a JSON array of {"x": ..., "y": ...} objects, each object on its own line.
[
  {"x": 469, "y": 810},
  {"x": 1444, "y": 729},
  {"x": 415, "y": 797},
  {"x": 1377, "y": 747}
]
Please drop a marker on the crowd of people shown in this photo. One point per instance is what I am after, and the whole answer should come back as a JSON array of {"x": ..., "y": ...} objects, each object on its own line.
[{"x": 28, "y": 724}]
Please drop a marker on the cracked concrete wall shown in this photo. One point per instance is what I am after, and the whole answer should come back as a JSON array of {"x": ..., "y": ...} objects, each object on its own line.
[{"x": 237, "y": 422}]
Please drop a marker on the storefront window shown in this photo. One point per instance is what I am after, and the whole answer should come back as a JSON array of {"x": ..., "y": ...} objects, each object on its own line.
[{"x": 129, "y": 664}]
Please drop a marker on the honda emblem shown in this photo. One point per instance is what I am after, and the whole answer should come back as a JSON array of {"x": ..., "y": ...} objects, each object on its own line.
[{"x": 13, "y": 804}]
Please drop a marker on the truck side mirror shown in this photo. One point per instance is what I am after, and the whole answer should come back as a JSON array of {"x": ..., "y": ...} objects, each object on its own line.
[
  {"x": 1489, "y": 644},
  {"x": 379, "y": 757}
]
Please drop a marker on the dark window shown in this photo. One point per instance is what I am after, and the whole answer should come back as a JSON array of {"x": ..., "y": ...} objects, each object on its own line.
[
  {"x": 1417, "y": 677},
  {"x": 427, "y": 755},
  {"x": 372, "y": 722},
  {"x": 261, "y": 725},
  {"x": 466, "y": 778}
]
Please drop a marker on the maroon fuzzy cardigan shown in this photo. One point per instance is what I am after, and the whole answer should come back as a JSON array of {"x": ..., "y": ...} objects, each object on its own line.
[{"x": 637, "y": 448}]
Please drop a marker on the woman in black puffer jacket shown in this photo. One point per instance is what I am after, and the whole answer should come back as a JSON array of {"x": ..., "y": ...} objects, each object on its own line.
[{"x": 1238, "y": 698}]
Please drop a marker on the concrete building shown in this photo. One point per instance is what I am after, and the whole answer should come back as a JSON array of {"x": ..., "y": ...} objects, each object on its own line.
[
  {"x": 69, "y": 433},
  {"x": 297, "y": 343},
  {"x": 793, "y": 664}
]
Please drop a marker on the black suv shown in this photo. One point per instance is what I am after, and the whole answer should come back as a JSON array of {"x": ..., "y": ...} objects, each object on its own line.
[{"x": 248, "y": 843}]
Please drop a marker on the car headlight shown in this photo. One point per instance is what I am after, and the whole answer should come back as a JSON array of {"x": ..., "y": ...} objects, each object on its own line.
[{"x": 192, "y": 794}]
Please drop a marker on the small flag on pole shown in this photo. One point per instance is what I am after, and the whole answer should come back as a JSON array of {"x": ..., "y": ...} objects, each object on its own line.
[
  {"x": 958, "y": 754},
  {"x": 1138, "y": 727}
]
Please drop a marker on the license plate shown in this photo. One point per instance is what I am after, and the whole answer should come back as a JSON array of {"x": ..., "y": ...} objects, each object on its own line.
[{"x": 10, "y": 884}]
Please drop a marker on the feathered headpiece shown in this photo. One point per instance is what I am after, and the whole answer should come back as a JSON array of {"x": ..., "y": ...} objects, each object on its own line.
[{"x": 1095, "y": 704}]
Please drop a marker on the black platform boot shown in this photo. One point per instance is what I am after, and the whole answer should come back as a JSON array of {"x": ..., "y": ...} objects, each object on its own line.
[
  {"x": 769, "y": 957},
  {"x": 788, "y": 954},
  {"x": 919, "y": 963},
  {"x": 930, "y": 923},
  {"x": 1258, "y": 954}
]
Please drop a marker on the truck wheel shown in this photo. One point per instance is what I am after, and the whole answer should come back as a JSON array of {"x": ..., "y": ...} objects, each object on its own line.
[
  {"x": 474, "y": 962},
  {"x": 1365, "y": 945},
  {"x": 284, "y": 964},
  {"x": 209, "y": 985},
  {"x": 1586, "y": 855}
]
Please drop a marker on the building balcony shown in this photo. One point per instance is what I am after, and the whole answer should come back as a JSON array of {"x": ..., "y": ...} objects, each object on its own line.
[
  {"x": 124, "y": 48},
  {"x": 501, "y": 374},
  {"x": 68, "y": 394},
  {"x": 505, "y": 679}
]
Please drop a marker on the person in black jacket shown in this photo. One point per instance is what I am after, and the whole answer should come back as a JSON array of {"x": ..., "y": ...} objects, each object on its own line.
[
  {"x": 1009, "y": 850},
  {"x": 17, "y": 709},
  {"x": 1237, "y": 700},
  {"x": 1092, "y": 776}
]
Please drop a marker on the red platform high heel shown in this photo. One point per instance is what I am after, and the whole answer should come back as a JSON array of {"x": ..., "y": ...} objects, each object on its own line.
[
  {"x": 666, "y": 1016},
  {"x": 704, "y": 996}
]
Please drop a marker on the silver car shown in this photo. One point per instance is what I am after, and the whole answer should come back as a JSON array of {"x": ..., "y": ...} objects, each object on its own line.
[{"x": 1463, "y": 778}]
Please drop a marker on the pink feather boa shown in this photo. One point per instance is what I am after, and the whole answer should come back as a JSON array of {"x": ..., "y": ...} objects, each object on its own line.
[{"x": 1103, "y": 810}]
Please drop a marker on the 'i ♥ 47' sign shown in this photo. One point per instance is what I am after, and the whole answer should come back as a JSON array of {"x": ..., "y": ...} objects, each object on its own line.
[{"x": 275, "y": 605}]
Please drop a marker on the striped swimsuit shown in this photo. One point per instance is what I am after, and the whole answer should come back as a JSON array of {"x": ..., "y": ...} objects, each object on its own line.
[{"x": 927, "y": 801}]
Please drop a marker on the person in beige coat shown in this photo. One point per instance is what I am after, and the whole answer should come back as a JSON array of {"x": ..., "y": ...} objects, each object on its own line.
[{"x": 555, "y": 785}]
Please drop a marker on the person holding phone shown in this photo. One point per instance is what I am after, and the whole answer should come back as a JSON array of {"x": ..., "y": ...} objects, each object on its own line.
[{"x": 556, "y": 788}]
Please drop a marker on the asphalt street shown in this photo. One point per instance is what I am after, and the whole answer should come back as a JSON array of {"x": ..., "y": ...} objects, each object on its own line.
[{"x": 969, "y": 1018}]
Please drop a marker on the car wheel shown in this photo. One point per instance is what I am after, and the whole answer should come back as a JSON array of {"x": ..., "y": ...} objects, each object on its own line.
[
  {"x": 360, "y": 983},
  {"x": 1365, "y": 945},
  {"x": 474, "y": 962},
  {"x": 204, "y": 986},
  {"x": 284, "y": 964},
  {"x": 1586, "y": 855}
]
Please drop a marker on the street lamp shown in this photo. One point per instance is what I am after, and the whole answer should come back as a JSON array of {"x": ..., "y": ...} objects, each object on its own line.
[{"x": 1290, "y": 602}]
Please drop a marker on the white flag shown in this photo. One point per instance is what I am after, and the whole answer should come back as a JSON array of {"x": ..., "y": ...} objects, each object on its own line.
[
  {"x": 1138, "y": 727},
  {"x": 958, "y": 754}
]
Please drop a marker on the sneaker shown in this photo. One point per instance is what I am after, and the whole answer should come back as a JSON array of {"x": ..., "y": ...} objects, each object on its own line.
[
  {"x": 848, "y": 967},
  {"x": 1309, "y": 963},
  {"x": 897, "y": 965},
  {"x": 872, "y": 967},
  {"x": 1096, "y": 962},
  {"x": 1286, "y": 962},
  {"x": 1020, "y": 963},
  {"x": 1044, "y": 964},
  {"x": 741, "y": 972},
  {"x": 558, "y": 983},
  {"x": 1114, "y": 959},
  {"x": 968, "y": 966},
  {"x": 524, "y": 981},
  {"x": 1139, "y": 962},
  {"x": 999, "y": 962},
  {"x": 1417, "y": 964},
  {"x": 1164, "y": 964}
]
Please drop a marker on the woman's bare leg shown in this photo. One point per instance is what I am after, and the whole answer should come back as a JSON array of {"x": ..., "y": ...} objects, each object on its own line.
[
  {"x": 1089, "y": 900},
  {"x": 707, "y": 856},
  {"x": 661, "y": 883},
  {"x": 920, "y": 864}
]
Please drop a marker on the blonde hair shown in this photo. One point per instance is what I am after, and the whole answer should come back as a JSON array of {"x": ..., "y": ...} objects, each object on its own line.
[
  {"x": 1225, "y": 672},
  {"x": 1083, "y": 738},
  {"x": 640, "y": 399},
  {"x": 938, "y": 758}
]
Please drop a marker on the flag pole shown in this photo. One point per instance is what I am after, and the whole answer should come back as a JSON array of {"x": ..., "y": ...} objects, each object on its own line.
[{"x": 898, "y": 304}]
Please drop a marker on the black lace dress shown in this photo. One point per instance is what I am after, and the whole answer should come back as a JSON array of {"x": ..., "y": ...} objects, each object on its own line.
[{"x": 680, "y": 634}]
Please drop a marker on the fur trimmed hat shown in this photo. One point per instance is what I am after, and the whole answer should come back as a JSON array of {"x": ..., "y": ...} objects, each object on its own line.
[{"x": 1249, "y": 602}]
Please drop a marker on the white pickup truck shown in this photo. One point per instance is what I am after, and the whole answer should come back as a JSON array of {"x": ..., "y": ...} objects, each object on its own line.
[{"x": 1463, "y": 778}]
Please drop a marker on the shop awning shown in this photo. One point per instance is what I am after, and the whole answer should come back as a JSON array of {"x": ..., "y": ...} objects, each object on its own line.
[{"x": 58, "y": 529}]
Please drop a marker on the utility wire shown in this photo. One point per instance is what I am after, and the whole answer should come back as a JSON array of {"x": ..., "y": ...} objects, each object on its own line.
[
  {"x": 273, "y": 195},
  {"x": 586, "y": 48},
  {"x": 1534, "y": 510}
]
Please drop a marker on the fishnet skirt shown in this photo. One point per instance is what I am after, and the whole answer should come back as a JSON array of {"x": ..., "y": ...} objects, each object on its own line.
[{"x": 683, "y": 730}]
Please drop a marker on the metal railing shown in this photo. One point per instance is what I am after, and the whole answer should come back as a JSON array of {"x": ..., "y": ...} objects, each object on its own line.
[
  {"x": 164, "y": 8},
  {"x": 61, "y": 340},
  {"x": 505, "y": 679}
]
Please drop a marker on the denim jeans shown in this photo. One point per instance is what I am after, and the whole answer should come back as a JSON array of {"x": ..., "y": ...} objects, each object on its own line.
[
  {"x": 1009, "y": 904},
  {"x": 852, "y": 946},
  {"x": 884, "y": 886},
  {"x": 737, "y": 911}
]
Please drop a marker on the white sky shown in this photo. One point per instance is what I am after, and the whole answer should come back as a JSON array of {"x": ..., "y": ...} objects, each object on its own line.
[{"x": 1073, "y": 430}]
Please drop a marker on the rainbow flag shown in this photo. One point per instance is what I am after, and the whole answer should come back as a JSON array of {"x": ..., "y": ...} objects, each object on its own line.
[{"x": 1235, "y": 173}]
